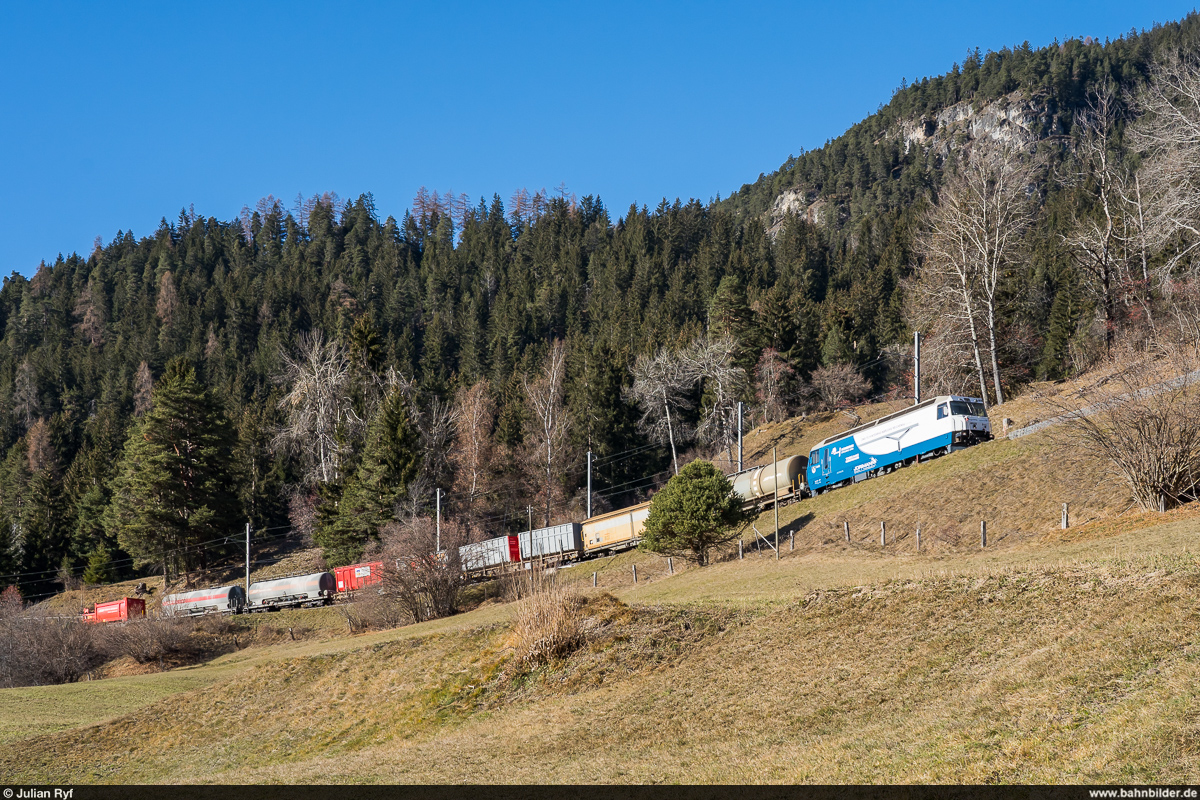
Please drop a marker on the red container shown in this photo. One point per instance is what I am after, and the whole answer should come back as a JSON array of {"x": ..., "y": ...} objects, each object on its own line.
[
  {"x": 356, "y": 576},
  {"x": 514, "y": 548},
  {"x": 116, "y": 610}
]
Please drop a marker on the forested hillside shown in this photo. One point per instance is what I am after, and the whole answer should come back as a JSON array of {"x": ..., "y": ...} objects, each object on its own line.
[{"x": 318, "y": 371}]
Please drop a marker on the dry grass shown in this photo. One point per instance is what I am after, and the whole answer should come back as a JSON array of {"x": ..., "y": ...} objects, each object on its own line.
[
  {"x": 1081, "y": 673},
  {"x": 1051, "y": 656},
  {"x": 547, "y": 626}
]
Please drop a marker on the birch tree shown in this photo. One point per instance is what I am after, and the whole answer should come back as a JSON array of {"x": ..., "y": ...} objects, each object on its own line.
[
  {"x": 319, "y": 407},
  {"x": 661, "y": 384},
  {"x": 974, "y": 236},
  {"x": 549, "y": 424},
  {"x": 1168, "y": 136}
]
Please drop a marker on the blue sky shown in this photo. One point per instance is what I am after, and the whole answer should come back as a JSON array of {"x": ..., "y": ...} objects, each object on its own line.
[{"x": 112, "y": 117}]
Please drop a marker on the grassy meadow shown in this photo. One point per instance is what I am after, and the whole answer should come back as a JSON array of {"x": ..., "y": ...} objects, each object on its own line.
[{"x": 1049, "y": 656}]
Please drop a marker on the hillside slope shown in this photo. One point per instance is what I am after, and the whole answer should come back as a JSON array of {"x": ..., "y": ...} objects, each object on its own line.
[
  {"x": 1050, "y": 656},
  {"x": 1079, "y": 673}
]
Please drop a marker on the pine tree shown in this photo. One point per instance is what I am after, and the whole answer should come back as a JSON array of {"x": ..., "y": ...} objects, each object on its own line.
[
  {"x": 390, "y": 462},
  {"x": 695, "y": 512},
  {"x": 176, "y": 490}
]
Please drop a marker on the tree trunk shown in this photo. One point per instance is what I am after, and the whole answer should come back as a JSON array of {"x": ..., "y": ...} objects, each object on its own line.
[
  {"x": 995, "y": 359},
  {"x": 671, "y": 433},
  {"x": 970, "y": 310}
]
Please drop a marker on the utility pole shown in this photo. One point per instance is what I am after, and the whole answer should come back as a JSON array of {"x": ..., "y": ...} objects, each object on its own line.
[
  {"x": 530, "y": 510},
  {"x": 247, "y": 559},
  {"x": 916, "y": 367},
  {"x": 775, "y": 472},
  {"x": 589, "y": 495},
  {"x": 438, "y": 545},
  {"x": 739, "y": 435}
]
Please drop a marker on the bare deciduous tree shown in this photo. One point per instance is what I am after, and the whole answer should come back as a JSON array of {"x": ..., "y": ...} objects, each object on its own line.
[
  {"x": 837, "y": 384},
  {"x": 90, "y": 310},
  {"x": 27, "y": 404},
  {"x": 168, "y": 301},
  {"x": 1147, "y": 426},
  {"x": 436, "y": 424},
  {"x": 709, "y": 361},
  {"x": 1168, "y": 134},
  {"x": 39, "y": 449},
  {"x": 143, "y": 389},
  {"x": 771, "y": 376},
  {"x": 660, "y": 384},
  {"x": 318, "y": 406},
  {"x": 549, "y": 423},
  {"x": 1095, "y": 240},
  {"x": 474, "y": 418},
  {"x": 423, "y": 580},
  {"x": 975, "y": 234}
]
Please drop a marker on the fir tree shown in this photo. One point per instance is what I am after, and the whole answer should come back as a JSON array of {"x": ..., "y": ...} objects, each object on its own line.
[
  {"x": 99, "y": 565},
  {"x": 175, "y": 493}
]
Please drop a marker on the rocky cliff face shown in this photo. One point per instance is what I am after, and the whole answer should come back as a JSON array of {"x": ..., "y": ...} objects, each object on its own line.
[{"x": 1014, "y": 121}]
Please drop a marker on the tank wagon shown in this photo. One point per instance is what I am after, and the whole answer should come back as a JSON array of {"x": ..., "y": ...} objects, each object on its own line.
[
  {"x": 353, "y": 577},
  {"x": 221, "y": 600},
  {"x": 116, "y": 610},
  {"x": 934, "y": 427},
  {"x": 295, "y": 591},
  {"x": 758, "y": 484}
]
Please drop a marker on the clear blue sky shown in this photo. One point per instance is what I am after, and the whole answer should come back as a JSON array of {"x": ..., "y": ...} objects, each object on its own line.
[{"x": 115, "y": 115}]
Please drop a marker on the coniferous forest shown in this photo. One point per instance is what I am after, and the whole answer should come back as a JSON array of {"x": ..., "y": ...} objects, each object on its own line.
[{"x": 323, "y": 369}]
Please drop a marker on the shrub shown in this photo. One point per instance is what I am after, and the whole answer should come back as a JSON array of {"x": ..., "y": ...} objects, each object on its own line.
[
  {"x": 40, "y": 650},
  {"x": 548, "y": 626},
  {"x": 148, "y": 640}
]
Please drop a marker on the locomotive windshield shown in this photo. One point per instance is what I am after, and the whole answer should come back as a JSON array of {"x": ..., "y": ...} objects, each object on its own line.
[{"x": 963, "y": 408}]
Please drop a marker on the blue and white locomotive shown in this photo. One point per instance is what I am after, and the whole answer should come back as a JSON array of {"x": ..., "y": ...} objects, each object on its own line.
[{"x": 932, "y": 427}]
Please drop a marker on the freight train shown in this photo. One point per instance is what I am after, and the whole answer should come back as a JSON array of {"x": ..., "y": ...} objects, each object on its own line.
[{"x": 934, "y": 427}]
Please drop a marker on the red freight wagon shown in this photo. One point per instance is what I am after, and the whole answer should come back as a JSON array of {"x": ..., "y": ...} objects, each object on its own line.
[
  {"x": 116, "y": 610},
  {"x": 356, "y": 576}
]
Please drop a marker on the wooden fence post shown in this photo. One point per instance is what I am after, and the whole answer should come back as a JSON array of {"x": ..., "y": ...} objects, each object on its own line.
[
  {"x": 593, "y": 580},
  {"x": 846, "y": 528},
  {"x": 1066, "y": 520},
  {"x": 983, "y": 533},
  {"x": 883, "y": 534},
  {"x": 740, "y": 556},
  {"x": 635, "y": 573},
  {"x": 918, "y": 537},
  {"x": 792, "y": 540},
  {"x": 670, "y": 565}
]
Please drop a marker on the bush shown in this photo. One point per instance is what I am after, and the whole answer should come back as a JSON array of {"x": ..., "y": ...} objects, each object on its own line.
[
  {"x": 694, "y": 513},
  {"x": 548, "y": 626},
  {"x": 40, "y": 650},
  {"x": 148, "y": 640}
]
